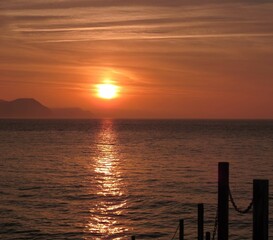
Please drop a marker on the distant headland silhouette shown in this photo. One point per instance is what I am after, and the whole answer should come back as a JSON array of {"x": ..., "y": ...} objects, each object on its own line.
[{"x": 24, "y": 108}]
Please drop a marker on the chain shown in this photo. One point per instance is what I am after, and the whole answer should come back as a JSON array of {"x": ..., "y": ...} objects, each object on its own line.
[
  {"x": 215, "y": 225},
  {"x": 175, "y": 232},
  {"x": 235, "y": 206},
  {"x": 216, "y": 216}
]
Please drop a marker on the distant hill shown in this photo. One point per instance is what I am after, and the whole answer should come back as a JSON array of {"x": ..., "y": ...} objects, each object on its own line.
[
  {"x": 31, "y": 108},
  {"x": 23, "y": 108}
]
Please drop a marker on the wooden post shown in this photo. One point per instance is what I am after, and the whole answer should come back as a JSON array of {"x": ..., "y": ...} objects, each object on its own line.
[
  {"x": 260, "y": 209},
  {"x": 200, "y": 221},
  {"x": 181, "y": 229},
  {"x": 133, "y": 238},
  {"x": 223, "y": 194},
  {"x": 207, "y": 235}
]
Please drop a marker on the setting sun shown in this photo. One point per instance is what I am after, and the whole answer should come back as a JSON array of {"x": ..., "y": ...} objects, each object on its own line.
[{"x": 107, "y": 91}]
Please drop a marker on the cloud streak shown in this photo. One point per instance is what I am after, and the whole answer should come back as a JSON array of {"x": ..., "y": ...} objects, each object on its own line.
[
  {"x": 151, "y": 47},
  {"x": 174, "y": 37},
  {"x": 72, "y": 4},
  {"x": 133, "y": 22}
]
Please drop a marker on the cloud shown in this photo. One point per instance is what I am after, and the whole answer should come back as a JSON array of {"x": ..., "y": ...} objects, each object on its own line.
[
  {"x": 167, "y": 44},
  {"x": 69, "y": 4},
  {"x": 130, "y": 21}
]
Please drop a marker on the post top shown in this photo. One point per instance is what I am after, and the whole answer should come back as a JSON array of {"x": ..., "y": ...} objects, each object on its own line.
[
  {"x": 261, "y": 180},
  {"x": 223, "y": 163}
]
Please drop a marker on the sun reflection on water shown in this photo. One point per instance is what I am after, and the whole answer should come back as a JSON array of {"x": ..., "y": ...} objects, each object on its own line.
[{"x": 104, "y": 222}]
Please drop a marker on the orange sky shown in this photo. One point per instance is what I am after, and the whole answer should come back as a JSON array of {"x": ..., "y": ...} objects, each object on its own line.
[{"x": 183, "y": 59}]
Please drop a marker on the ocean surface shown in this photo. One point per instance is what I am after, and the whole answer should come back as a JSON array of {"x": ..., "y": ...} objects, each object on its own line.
[{"x": 111, "y": 179}]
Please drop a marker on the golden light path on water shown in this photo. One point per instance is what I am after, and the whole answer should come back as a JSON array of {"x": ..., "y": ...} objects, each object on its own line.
[{"x": 104, "y": 219}]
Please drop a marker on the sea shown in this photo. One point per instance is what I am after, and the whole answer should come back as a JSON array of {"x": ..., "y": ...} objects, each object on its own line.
[{"x": 113, "y": 179}]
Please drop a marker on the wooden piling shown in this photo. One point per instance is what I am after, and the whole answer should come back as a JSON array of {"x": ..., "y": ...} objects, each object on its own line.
[
  {"x": 207, "y": 235},
  {"x": 223, "y": 196},
  {"x": 200, "y": 222},
  {"x": 260, "y": 209},
  {"x": 181, "y": 229}
]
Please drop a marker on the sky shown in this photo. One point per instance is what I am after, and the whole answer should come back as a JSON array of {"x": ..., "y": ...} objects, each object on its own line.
[{"x": 171, "y": 59}]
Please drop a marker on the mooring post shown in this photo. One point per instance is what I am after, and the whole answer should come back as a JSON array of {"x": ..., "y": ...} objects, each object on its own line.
[
  {"x": 260, "y": 209},
  {"x": 223, "y": 194},
  {"x": 133, "y": 238},
  {"x": 200, "y": 221},
  {"x": 181, "y": 229},
  {"x": 207, "y": 235}
]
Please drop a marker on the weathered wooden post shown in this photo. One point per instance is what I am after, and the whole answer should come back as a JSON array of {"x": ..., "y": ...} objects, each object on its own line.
[
  {"x": 200, "y": 221},
  {"x": 260, "y": 209},
  {"x": 181, "y": 229},
  {"x": 207, "y": 235},
  {"x": 223, "y": 194}
]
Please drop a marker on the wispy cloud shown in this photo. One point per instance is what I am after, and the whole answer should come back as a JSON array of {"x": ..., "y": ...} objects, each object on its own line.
[
  {"x": 155, "y": 45},
  {"x": 134, "y": 22},
  {"x": 68, "y": 4}
]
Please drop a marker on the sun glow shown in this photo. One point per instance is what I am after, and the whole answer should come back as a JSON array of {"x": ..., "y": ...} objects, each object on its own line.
[{"x": 107, "y": 91}]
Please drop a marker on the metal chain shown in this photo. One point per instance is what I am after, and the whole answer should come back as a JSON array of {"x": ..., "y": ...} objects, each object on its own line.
[
  {"x": 235, "y": 206},
  {"x": 175, "y": 232},
  {"x": 215, "y": 225},
  {"x": 216, "y": 217}
]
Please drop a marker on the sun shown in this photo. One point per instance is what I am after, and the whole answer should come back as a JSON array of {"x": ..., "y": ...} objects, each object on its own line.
[{"x": 107, "y": 91}]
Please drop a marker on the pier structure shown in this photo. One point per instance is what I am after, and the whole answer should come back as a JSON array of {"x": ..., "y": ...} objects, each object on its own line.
[{"x": 259, "y": 206}]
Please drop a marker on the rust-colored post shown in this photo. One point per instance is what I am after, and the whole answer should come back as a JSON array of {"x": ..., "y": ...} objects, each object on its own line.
[
  {"x": 223, "y": 195},
  {"x": 200, "y": 221},
  {"x": 260, "y": 209}
]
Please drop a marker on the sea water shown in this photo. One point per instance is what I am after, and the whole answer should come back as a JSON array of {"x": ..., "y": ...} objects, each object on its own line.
[{"x": 111, "y": 179}]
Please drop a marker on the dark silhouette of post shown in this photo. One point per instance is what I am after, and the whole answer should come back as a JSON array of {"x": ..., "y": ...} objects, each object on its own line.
[
  {"x": 133, "y": 238},
  {"x": 181, "y": 229},
  {"x": 207, "y": 235},
  {"x": 223, "y": 194},
  {"x": 200, "y": 221},
  {"x": 260, "y": 209}
]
